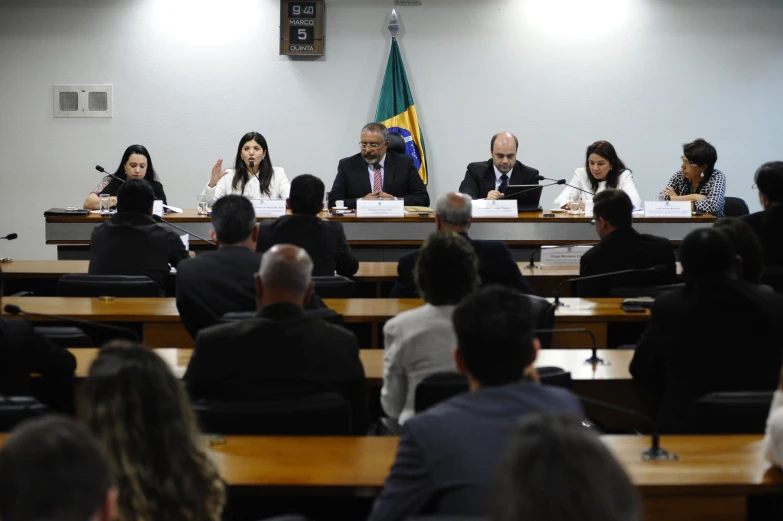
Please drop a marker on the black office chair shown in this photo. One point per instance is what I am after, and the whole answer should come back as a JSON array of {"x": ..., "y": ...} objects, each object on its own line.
[
  {"x": 396, "y": 143},
  {"x": 329, "y": 315},
  {"x": 110, "y": 285},
  {"x": 16, "y": 409},
  {"x": 327, "y": 414},
  {"x": 65, "y": 336},
  {"x": 555, "y": 376},
  {"x": 544, "y": 311},
  {"x": 643, "y": 291},
  {"x": 742, "y": 412},
  {"x": 334, "y": 286},
  {"x": 438, "y": 387},
  {"x": 735, "y": 207}
]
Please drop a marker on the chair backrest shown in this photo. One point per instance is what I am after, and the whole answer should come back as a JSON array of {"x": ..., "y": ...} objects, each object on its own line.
[
  {"x": 555, "y": 376},
  {"x": 544, "y": 311},
  {"x": 735, "y": 207},
  {"x": 643, "y": 291},
  {"x": 732, "y": 412},
  {"x": 77, "y": 285},
  {"x": 438, "y": 387},
  {"x": 327, "y": 414},
  {"x": 16, "y": 409},
  {"x": 396, "y": 143},
  {"x": 329, "y": 315},
  {"x": 334, "y": 286},
  {"x": 65, "y": 336}
]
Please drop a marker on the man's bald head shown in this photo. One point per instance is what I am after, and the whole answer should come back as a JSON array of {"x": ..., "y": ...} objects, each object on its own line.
[
  {"x": 285, "y": 275},
  {"x": 453, "y": 212},
  {"x": 504, "y": 148}
]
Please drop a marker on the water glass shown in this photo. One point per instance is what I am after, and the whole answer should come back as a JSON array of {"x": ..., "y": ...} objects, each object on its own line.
[
  {"x": 203, "y": 204},
  {"x": 659, "y": 198},
  {"x": 573, "y": 208},
  {"x": 105, "y": 206}
]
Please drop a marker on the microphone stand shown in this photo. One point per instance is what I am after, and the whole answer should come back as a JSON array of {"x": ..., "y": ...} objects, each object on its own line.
[
  {"x": 594, "y": 359},
  {"x": 563, "y": 182},
  {"x": 598, "y": 276},
  {"x": 160, "y": 219}
]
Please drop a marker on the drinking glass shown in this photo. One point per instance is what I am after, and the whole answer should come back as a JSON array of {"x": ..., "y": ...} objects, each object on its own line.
[
  {"x": 203, "y": 204},
  {"x": 573, "y": 208},
  {"x": 105, "y": 206}
]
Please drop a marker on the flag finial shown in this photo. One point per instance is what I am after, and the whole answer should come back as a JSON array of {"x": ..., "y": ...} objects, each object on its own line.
[{"x": 394, "y": 24}]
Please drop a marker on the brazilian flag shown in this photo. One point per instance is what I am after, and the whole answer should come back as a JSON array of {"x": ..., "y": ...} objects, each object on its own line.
[{"x": 397, "y": 111}]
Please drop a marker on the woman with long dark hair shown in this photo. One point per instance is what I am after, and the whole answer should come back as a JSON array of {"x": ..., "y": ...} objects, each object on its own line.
[
  {"x": 603, "y": 169},
  {"x": 253, "y": 174},
  {"x": 136, "y": 163}
]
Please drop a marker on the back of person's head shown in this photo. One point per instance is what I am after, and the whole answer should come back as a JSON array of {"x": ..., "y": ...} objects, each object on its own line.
[
  {"x": 495, "y": 335},
  {"x": 707, "y": 253},
  {"x": 454, "y": 210},
  {"x": 446, "y": 269},
  {"x": 746, "y": 244},
  {"x": 233, "y": 219},
  {"x": 307, "y": 195},
  {"x": 701, "y": 153},
  {"x": 615, "y": 207},
  {"x": 53, "y": 468},
  {"x": 769, "y": 181},
  {"x": 285, "y": 275},
  {"x": 555, "y": 469},
  {"x": 141, "y": 414},
  {"x": 135, "y": 195}
]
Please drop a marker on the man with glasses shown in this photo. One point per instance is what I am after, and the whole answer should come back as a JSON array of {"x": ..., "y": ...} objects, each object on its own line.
[{"x": 375, "y": 173}]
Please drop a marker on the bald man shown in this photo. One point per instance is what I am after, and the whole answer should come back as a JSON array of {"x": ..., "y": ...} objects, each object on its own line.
[
  {"x": 281, "y": 353},
  {"x": 489, "y": 179}
]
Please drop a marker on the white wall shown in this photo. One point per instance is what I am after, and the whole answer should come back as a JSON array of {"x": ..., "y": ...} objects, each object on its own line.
[{"x": 190, "y": 77}]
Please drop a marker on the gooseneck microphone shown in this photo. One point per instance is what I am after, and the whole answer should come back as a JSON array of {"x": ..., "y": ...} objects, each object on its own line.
[
  {"x": 536, "y": 187},
  {"x": 563, "y": 182},
  {"x": 594, "y": 359},
  {"x": 10, "y": 236},
  {"x": 100, "y": 169},
  {"x": 160, "y": 219},
  {"x": 122, "y": 332},
  {"x": 660, "y": 268}
]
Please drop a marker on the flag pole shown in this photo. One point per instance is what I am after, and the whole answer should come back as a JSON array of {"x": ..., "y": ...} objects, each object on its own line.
[{"x": 394, "y": 24}]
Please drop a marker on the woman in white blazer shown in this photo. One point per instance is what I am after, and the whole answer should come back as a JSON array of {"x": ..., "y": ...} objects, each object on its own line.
[
  {"x": 602, "y": 169},
  {"x": 252, "y": 176}
]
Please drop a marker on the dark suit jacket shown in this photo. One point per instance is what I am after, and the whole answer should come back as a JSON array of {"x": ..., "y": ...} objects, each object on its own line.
[
  {"x": 215, "y": 283},
  {"x": 131, "y": 243},
  {"x": 323, "y": 240},
  {"x": 768, "y": 225},
  {"x": 496, "y": 266},
  {"x": 280, "y": 354},
  {"x": 480, "y": 178},
  {"x": 400, "y": 179},
  {"x": 721, "y": 335},
  {"x": 625, "y": 250},
  {"x": 448, "y": 456},
  {"x": 23, "y": 351}
]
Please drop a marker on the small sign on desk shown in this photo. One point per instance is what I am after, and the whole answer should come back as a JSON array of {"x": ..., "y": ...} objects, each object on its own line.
[
  {"x": 269, "y": 207},
  {"x": 380, "y": 208},
  {"x": 496, "y": 208},
  {"x": 562, "y": 255},
  {"x": 667, "y": 209}
]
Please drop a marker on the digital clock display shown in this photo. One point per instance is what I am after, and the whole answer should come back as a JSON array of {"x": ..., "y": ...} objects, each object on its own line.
[{"x": 301, "y": 10}]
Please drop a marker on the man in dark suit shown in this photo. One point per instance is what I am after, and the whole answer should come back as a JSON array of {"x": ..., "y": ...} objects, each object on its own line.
[
  {"x": 496, "y": 265},
  {"x": 281, "y": 353},
  {"x": 222, "y": 281},
  {"x": 489, "y": 179},
  {"x": 323, "y": 240},
  {"x": 623, "y": 248},
  {"x": 768, "y": 224},
  {"x": 718, "y": 333},
  {"x": 448, "y": 456},
  {"x": 131, "y": 242},
  {"x": 375, "y": 173}
]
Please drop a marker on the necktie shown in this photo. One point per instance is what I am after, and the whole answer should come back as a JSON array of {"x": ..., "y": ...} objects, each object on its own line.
[
  {"x": 377, "y": 180},
  {"x": 503, "y": 184}
]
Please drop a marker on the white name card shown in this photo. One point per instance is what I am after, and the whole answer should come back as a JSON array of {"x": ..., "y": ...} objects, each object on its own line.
[
  {"x": 562, "y": 255},
  {"x": 588, "y": 207},
  {"x": 157, "y": 207},
  {"x": 496, "y": 208},
  {"x": 269, "y": 207},
  {"x": 667, "y": 209},
  {"x": 380, "y": 208}
]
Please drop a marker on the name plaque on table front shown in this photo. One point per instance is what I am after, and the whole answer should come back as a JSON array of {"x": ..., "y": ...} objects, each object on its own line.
[
  {"x": 562, "y": 255},
  {"x": 588, "y": 207},
  {"x": 269, "y": 207},
  {"x": 380, "y": 208},
  {"x": 496, "y": 208},
  {"x": 680, "y": 209}
]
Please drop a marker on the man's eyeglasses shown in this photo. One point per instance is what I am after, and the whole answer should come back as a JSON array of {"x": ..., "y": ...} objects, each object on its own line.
[{"x": 371, "y": 146}]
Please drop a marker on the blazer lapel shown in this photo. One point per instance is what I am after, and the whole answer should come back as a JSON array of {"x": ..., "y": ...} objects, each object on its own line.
[
  {"x": 488, "y": 181},
  {"x": 364, "y": 176},
  {"x": 388, "y": 174}
]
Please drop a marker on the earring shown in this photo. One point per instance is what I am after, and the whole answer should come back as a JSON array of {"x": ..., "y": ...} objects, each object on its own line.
[{"x": 702, "y": 174}]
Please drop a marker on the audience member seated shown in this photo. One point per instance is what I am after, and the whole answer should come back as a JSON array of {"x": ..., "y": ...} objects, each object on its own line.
[
  {"x": 773, "y": 437},
  {"x": 218, "y": 282},
  {"x": 420, "y": 342},
  {"x": 768, "y": 224},
  {"x": 489, "y": 179},
  {"x": 131, "y": 242},
  {"x": 281, "y": 353},
  {"x": 23, "y": 351},
  {"x": 495, "y": 263},
  {"x": 374, "y": 173},
  {"x": 53, "y": 468},
  {"x": 623, "y": 248},
  {"x": 449, "y": 455},
  {"x": 718, "y": 333},
  {"x": 555, "y": 468},
  {"x": 746, "y": 246},
  {"x": 323, "y": 240},
  {"x": 141, "y": 414}
]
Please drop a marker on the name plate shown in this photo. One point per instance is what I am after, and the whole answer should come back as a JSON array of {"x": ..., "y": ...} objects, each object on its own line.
[
  {"x": 380, "y": 208},
  {"x": 588, "y": 207},
  {"x": 496, "y": 208},
  {"x": 667, "y": 209},
  {"x": 562, "y": 255},
  {"x": 269, "y": 207},
  {"x": 157, "y": 207}
]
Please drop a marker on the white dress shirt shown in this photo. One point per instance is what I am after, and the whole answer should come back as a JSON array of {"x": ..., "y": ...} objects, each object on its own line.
[
  {"x": 371, "y": 170},
  {"x": 498, "y": 175},
  {"x": 580, "y": 179},
  {"x": 279, "y": 187},
  {"x": 773, "y": 437}
]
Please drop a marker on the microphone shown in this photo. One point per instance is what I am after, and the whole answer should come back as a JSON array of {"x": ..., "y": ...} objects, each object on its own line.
[
  {"x": 100, "y": 169},
  {"x": 531, "y": 264},
  {"x": 655, "y": 452},
  {"x": 594, "y": 359},
  {"x": 123, "y": 332},
  {"x": 531, "y": 188},
  {"x": 563, "y": 182},
  {"x": 160, "y": 219},
  {"x": 10, "y": 236},
  {"x": 660, "y": 268}
]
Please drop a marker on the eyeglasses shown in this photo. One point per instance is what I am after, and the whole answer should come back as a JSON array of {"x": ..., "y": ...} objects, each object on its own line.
[
  {"x": 371, "y": 146},
  {"x": 685, "y": 160}
]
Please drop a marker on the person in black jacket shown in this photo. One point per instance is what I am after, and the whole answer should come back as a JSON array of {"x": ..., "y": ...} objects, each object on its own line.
[
  {"x": 375, "y": 173},
  {"x": 136, "y": 163},
  {"x": 489, "y": 179},
  {"x": 131, "y": 242},
  {"x": 623, "y": 248},
  {"x": 768, "y": 224},
  {"x": 496, "y": 265},
  {"x": 323, "y": 240}
]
